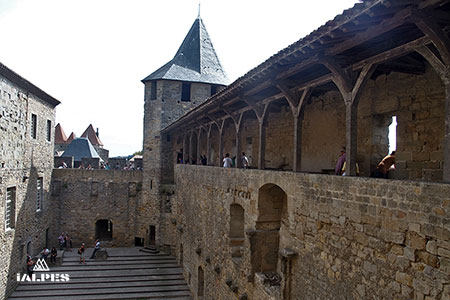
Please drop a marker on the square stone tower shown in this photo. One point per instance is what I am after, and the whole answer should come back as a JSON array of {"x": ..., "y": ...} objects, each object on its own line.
[{"x": 191, "y": 77}]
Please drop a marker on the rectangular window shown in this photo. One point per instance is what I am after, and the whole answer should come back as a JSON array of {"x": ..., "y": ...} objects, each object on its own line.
[
  {"x": 33, "y": 126},
  {"x": 10, "y": 216},
  {"x": 186, "y": 92},
  {"x": 39, "y": 194},
  {"x": 153, "y": 91},
  {"x": 213, "y": 89},
  {"x": 49, "y": 130}
]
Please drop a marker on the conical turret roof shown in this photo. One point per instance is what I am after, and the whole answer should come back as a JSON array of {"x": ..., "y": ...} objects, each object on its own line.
[
  {"x": 60, "y": 135},
  {"x": 92, "y": 136},
  {"x": 195, "y": 61}
]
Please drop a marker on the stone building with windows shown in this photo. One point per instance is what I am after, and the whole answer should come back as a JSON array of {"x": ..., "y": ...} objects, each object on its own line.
[{"x": 27, "y": 119}]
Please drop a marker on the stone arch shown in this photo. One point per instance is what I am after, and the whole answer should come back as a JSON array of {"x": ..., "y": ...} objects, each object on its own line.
[
  {"x": 237, "y": 222},
  {"x": 265, "y": 240},
  {"x": 201, "y": 283},
  {"x": 104, "y": 229}
]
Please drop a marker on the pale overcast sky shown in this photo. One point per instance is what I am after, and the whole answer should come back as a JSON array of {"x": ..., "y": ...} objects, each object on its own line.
[{"x": 92, "y": 54}]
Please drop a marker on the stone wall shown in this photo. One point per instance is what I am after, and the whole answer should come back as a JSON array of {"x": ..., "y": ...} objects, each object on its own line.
[
  {"x": 23, "y": 159},
  {"x": 83, "y": 197},
  {"x": 339, "y": 237}
]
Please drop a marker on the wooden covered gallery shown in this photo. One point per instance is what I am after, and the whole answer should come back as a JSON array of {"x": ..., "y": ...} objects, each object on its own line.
[{"x": 340, "y": 86}]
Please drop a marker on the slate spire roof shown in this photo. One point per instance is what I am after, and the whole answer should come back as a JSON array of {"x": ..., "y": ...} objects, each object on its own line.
[
  {"x": 92, "y": 136},
  {"x": 80, "y": 148},
  {"x": 195, "y": 61}
]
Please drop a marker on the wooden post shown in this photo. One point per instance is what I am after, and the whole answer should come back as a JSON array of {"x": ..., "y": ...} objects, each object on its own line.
[
  {"x": 351, "y": 138},
  {"x": 185, "y": 156},
  {"x": 208, "y": 146},
  {"x": 261, "y": 144},
  {"x": 297, "y": 162},
  {"x": 220, "y": 146},
  {"x": 191, "y": 147},
  {"x": 238, "y": 147},
  {"x": 199, "y": 134}
]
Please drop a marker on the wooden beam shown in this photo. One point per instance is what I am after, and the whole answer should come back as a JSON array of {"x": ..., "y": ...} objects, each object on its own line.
[
  {"x": 393, "y": 53},
  {"x": 340, "y": 77},
  {"x": 397, "y": 20},
  {"x": 437, "y": 36}
]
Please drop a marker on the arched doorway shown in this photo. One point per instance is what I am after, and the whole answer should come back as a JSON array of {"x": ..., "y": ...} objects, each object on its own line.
[
  {"x": 104, "y": 230},
  {"x": 236, "y": 231},
  {"x": 265, "y": 242}
]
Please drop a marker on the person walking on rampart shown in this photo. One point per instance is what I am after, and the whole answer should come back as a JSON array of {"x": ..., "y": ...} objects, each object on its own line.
[
  {"x": 227, "y": 162},
  {"x": 340, "y": 163},
  {"x": 244, "y": 161}
]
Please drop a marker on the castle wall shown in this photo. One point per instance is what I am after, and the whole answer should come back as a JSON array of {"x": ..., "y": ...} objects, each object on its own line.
[
  {"x": 83, "y": 197},
  {"x": 342, "y": 237},
  {"x": 23, "y": 160}
]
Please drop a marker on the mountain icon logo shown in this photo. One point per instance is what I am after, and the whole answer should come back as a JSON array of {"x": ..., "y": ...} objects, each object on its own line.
[{"x": 41, "y": 265}]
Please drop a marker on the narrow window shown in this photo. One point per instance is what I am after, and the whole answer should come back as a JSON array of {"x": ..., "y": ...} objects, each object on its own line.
[
  {"x": 39, "y": 194},
  {"x": 153, "y": 91},
  {"x": 201, "y": 283},
  {"x": 393, "y": 135},
  {"x": 213, "y": 89},
  {"x": 186, "y": 92},
  {"x": 49, "y": 130},
  {"x": 10, "y": 216},
  {"x": 33, "y": 126}
]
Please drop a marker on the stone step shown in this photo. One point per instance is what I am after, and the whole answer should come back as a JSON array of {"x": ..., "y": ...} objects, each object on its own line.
[
  {"x": 125, "y": 274},
  {"x": 99, "y": 285},
  {"x": 86, "y": 267},
  {"x": 84, "y": 279},
  {"x": 149, "y": 251},
  {"x": 120, "y": 262},
  {"x": 126, "y": 258},
  {"x": 100, "y": 291},
  {"x": 173, "y": 295},
  {"x": 119, "y": 273}
]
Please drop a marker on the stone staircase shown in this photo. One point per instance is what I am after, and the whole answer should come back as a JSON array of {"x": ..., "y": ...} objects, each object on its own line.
[{"x": 127, "y": 273}]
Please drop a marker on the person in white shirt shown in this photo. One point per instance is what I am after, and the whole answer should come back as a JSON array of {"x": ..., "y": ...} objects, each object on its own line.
[
  {"x": 244, "y": 161},
  {"x": 227, "y": 162}
]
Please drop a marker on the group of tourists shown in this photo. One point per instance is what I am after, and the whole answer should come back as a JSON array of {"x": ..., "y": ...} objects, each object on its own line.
[
  {"x": 231, "y": 162},
  {"x": 382, "y": 170}
]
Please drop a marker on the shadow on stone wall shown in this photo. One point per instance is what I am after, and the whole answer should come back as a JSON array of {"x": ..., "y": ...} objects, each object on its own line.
[{"x": 29, "y": 234}]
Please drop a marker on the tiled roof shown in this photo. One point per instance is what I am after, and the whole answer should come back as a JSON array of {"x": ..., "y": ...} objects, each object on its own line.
[
  {"x": 60, "y": 135},
  {"x": 80, "y": 148},
  {"x": 92, "y": 136},
  {"x": 26, "y": 85},
  {"x": 195, "y": 61},
  {"x": 71, "y": 138}
]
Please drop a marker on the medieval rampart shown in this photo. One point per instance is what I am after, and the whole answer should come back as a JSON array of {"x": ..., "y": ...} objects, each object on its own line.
[{"x": 327, "y": 237}]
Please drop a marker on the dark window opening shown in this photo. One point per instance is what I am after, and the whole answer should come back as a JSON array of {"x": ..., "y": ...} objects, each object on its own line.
[
  {"x": 213, "y": 89},
  {"x": 153, "y": 91},
  {"x": 152, "y": 235},
  {"x": 103, "y": 230},
  {"x": 49, "y": 130},
  {"x": 186, "y": 92},
  {"x": 201, "y": 282},
  {"x": 33, "y": 126},
  {"x": 138, "y": 241}
]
